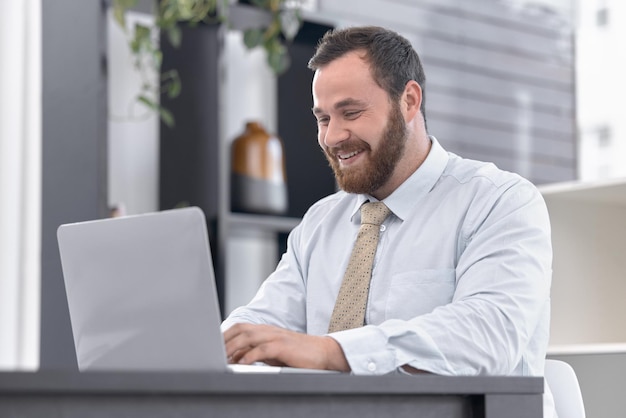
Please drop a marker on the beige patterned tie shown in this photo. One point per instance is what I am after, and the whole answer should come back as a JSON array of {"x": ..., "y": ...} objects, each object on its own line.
[{"x": 349, "y": 311}]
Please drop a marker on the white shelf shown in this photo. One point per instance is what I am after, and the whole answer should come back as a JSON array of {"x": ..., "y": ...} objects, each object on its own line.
[
  {"x": 589, "y": 280},
  {"x": 573, "y": 349},
  {"x": 610, "y": 191},
  {"x": 269, "y": 223}
]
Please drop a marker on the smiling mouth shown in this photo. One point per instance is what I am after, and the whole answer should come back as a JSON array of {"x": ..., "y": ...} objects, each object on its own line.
[{"x": 347, "y": 156}]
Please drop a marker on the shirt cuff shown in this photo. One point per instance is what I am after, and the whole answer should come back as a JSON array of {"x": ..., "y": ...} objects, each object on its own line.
[{"x": 366, "y": 350}]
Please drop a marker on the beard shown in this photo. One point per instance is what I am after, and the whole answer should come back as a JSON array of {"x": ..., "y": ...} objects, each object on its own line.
[{"x": 372, "y": 174}]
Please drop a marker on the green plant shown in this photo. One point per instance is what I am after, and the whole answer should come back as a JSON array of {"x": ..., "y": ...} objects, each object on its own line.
[{"x": 170, "y": 14}]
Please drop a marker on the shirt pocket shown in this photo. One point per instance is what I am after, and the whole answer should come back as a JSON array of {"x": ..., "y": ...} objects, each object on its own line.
[{"x": 418, "y": 292}]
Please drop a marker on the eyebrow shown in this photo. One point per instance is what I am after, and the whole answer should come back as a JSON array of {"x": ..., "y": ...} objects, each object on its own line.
[{"x": 341, "y": 104}]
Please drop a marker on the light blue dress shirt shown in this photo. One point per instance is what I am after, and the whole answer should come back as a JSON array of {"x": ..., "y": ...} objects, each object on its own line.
[{"x": 461, "y": 281}]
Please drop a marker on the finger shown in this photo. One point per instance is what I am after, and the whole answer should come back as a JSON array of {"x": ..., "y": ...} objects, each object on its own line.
[
  {"x": 235, "y": 358},
  {"x": 249, "y": 343},
  {"x": 265, "y": 353},
  {"x": 244, "y": 337},
  {"x": 237, "y": 346},
  {"x": 233, "y": 331}
]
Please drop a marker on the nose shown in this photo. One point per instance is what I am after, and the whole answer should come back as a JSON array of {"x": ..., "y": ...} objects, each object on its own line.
[{"x": 333, "y": 134}]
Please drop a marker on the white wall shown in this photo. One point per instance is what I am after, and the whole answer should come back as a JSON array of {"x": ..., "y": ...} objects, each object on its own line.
[
  {"x": 133, "y": 147},
  {"x": 601, "y": 86},
  {"x": 20, "y": 184}
]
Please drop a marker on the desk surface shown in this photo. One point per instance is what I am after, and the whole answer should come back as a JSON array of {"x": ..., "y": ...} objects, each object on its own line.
[{"x": 106, "y": 394}]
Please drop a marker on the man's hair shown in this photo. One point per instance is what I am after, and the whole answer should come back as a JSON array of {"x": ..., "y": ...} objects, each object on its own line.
[{"x": 393, "y": 61}]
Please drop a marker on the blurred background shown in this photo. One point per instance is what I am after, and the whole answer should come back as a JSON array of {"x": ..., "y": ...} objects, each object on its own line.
[{"x": 533, "y": 86}]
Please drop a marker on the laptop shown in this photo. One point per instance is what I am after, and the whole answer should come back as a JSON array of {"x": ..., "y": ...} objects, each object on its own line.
[{"x": 142, "y": 297}]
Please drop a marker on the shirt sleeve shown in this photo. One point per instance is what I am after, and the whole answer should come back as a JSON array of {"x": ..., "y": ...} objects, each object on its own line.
[{"x": 503, "y": 279}]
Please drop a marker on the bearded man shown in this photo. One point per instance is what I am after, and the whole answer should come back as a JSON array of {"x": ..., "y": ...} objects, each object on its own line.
[{"x": 451, "y": 269}]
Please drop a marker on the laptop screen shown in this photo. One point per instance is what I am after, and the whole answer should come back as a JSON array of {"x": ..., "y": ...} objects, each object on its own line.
[{"x": 141, "y": 292}]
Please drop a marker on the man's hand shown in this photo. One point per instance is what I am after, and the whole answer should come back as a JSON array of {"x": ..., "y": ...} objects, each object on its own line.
[{"x": 247, "y": 344}]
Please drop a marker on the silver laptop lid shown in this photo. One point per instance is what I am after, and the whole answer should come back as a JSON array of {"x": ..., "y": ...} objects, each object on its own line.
[{"x": 141, "y": 292}]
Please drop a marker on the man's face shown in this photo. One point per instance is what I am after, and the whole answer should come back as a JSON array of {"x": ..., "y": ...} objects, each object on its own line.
[{"x": 362, "y": 134}]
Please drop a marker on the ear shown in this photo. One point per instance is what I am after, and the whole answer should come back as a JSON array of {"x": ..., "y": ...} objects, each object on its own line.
[{"x": 411, "y": 100}]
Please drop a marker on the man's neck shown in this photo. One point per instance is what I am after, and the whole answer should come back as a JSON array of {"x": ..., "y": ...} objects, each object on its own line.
[{"x": 414, "y": 155}]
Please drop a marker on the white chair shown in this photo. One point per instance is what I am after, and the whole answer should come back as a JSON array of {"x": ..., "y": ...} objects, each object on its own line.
[{"x": 565, "y": 389}]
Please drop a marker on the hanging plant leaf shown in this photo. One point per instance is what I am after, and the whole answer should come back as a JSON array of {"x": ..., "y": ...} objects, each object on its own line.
[
  {"x": 148, "y": 102},
  {"x": 252, "y": 38},
  {"x": 279, "y": 61},
  {"x": 158, "y": 59},
  {"x": 119, "y": 10},
  {"x": 171, "y": 81},
  {"x": 175, "y": 36},
  {"x": 290, "y": 22},
  {"x": 167, "y": 117}
]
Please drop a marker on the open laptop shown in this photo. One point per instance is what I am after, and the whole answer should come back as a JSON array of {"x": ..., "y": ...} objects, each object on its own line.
[{"x": 141, "y": 294}]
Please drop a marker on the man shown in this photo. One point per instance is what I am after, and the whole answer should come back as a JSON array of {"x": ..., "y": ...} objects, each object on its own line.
[{"x": 462, "y": 269}]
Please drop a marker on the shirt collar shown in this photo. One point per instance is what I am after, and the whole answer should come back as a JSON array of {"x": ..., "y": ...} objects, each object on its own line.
[
  {"x": 402, "y": 200},
  {"x": 355, "y": 215}
]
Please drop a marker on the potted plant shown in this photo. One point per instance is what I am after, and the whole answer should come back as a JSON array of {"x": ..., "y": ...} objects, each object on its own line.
[{"x": 282, "y": 26}]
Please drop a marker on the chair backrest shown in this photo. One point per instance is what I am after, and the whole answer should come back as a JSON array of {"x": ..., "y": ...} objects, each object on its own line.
[{"x": 563, "y": 383}]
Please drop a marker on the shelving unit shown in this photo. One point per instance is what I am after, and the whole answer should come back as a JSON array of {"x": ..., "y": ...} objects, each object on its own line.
[
  {"x": 195, "y": 166},
  {"x": 589, "y": 268},
  {"x": 261, "y": 239},
  {"x": 195, "y": 155}
]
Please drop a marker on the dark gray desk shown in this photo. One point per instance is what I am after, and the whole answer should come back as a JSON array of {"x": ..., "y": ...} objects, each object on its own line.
[{"x": 157, "y": 395}]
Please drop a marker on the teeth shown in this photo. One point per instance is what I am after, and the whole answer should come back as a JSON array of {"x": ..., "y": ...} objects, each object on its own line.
[{"x": 346, "y": 156}]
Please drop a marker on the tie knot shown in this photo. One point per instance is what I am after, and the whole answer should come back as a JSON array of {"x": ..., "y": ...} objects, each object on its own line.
[{"x": 374, "y": 213}]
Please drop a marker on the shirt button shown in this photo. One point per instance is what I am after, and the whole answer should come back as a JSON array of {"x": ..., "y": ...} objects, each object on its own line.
[
  {"x": 382, "y": 228},
  {"x": 371, "y": 367}
]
